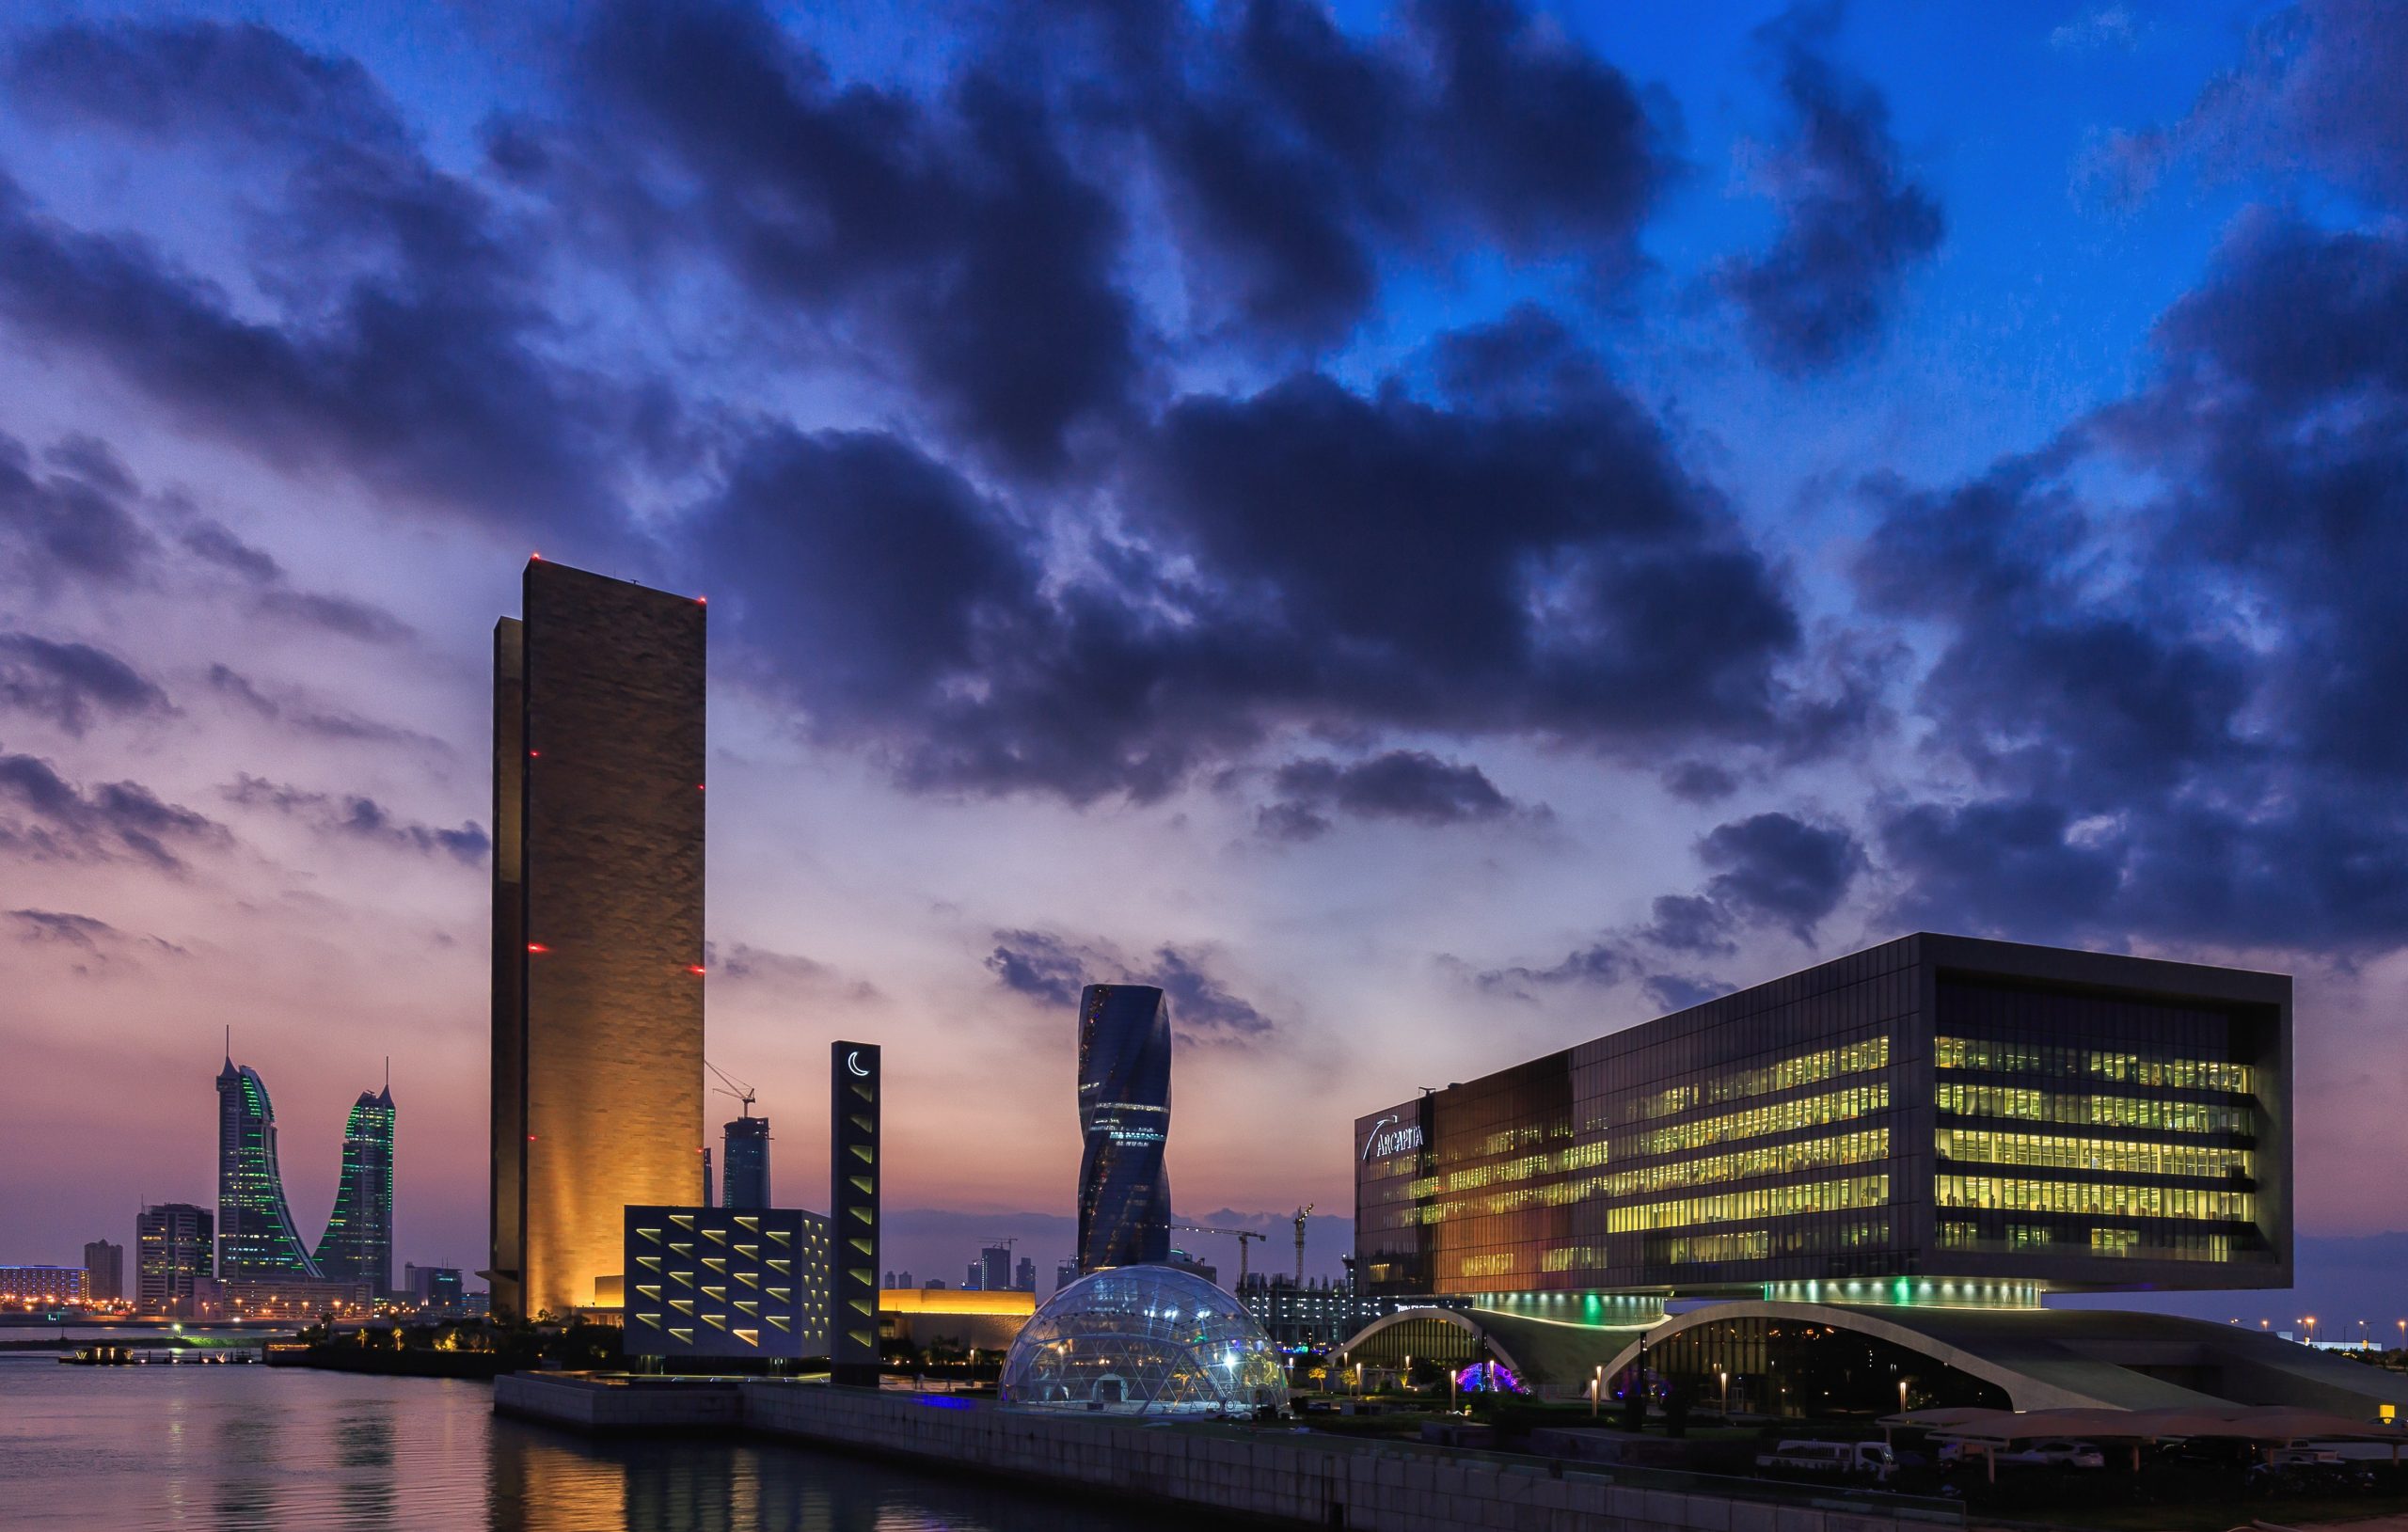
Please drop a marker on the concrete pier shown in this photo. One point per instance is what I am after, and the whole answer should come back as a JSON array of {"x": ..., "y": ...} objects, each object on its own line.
[{"x": 1298, "y": 1477}]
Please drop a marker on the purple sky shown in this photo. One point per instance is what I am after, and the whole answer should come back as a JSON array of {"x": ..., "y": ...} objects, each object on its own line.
[{"x": 1433, "y": 532}]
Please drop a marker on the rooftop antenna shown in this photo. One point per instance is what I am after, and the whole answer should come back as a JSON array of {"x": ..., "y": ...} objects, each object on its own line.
[{"x": 388, "y": 1074}]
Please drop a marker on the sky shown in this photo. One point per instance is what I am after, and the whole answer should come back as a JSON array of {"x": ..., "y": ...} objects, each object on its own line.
[{"x": 1432, "y": 532}]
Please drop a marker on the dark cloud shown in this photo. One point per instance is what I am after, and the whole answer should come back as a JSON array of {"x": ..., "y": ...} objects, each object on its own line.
[
  {"x": 1678, "y": 992},
  {"x": 296, "y": 712},
  {"x": 2208, "y": 753},
  {"x": 46, "y": 817},
  {"x": 221, "y": 547},
  {"x": 49, "y": 926},
  {"x": 786, "y": 972},
  {"x": 1410, "y": 786},
  {"x": 1690, "y": 922},
  {"x": 359, "y": 818},
  {"x": 1700, "y": 781},
  {"x": 954, "y": 234},
  {"x": 68, "y": 683},
  {"x": 2318, "y": 88},
  {"x": 1203, "y": 1008},
  {"x": 341, "y": 615},
  {"x": 1304, "y": 555},
  {"x": 403, "y": 342},
  {"x": 73, "y": 524},
  {"x": 1778, "y": 868},
  {"x": 1300, "y": 159},
  {"x": 1769, "y": 868},
  {"x": 102, "y": 946},
  {"x": 1851, "y": 219},
  {"x": 1041, "y": 966},
  {"x": 1052, "y": 969}
]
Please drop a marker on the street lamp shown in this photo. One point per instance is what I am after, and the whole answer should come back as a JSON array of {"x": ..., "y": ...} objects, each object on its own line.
[
  {"x": 1722, "y": 1375},
  {"x": 1902, "y": 1395},
  {"x": 2310, "y": 1323}
]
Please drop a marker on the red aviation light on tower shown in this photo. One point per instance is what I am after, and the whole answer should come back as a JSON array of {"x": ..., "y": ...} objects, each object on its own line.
[
  {"x": 694, "y": 968},
  {"x": 537, "y": 947}
]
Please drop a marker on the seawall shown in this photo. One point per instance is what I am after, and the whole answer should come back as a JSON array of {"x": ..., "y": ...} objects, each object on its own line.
[{"x": 1299, "y": 1479}]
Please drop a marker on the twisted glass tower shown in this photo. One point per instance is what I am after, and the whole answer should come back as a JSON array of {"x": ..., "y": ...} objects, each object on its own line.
[
  {"x": 1124, "y": 1114},
  {"x": 358, "y": 1245},
  {"x": 255, "y": 1233}
]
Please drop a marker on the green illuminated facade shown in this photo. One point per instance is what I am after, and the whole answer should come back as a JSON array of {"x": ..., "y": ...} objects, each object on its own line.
[
  {"x": 255, "y": 1233},
  {"x": 358, "y": 1245},
  {"x": 1937, "y": 1118}
]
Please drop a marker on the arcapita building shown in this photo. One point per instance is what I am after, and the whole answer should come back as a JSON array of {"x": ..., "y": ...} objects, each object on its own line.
[{"x": 1900, "y": 1152}]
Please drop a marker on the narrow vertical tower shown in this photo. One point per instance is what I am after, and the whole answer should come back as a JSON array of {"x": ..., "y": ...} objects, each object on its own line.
[
  {"x": 358, "y": 1245},
  {"x": 853, "y": 1153},
  {"x": 597, "y": 1003},
  {"x": 1124, "y": 1115},
  {"x": 255, "y": 1233},
  {"x": 745, "y": 1172}
]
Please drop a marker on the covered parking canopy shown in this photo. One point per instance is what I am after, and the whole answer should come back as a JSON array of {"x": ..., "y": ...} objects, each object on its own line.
[{"x": 2278, "y": 1425}]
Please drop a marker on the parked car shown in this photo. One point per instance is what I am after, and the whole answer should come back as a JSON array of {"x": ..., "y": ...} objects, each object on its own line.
[
  {"x": 1834, "y": 1460},
  {"x": 2055, "y": 1452}
]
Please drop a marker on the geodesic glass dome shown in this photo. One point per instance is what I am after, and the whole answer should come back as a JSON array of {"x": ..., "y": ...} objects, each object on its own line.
[{"x": 1143, "y": 1340}]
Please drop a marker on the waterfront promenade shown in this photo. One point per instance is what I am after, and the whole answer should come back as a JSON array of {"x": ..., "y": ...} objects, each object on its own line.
[{"x": 1292, "y": 1476}]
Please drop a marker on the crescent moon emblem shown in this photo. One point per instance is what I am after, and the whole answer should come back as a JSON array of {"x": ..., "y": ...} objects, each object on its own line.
[{"x": 853, "y": 1062}]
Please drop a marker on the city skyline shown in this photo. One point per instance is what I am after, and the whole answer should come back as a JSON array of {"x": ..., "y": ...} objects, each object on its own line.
[{"x": 1268, "y": 644}]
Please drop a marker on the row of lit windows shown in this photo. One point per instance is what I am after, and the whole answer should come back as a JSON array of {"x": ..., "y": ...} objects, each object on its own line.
[
  {"x": 1761, "y": 1245},
  {"x": 1761, "y": 1202},
  {"x": 1756, "y": 1122},
  {"x": 2172, "y": 1243},
  {"x": 2096, "y": 1064},
  {"x": 2088, "y": 1197},
  {"x": 1812, "y": 1154},
  {"x": 1784, "y": 1074},
  {"x": 2124, "y": 1155},
  {"x": 2093, "y": 1111}
]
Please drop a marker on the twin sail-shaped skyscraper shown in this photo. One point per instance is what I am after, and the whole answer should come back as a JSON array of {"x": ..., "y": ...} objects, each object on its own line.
[{"x": 257, "y": 1240}]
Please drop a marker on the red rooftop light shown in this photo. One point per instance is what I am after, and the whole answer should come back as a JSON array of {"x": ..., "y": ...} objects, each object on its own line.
[
  {"x": 537, "y": 946},
  {"x": 693, "y": 968}
]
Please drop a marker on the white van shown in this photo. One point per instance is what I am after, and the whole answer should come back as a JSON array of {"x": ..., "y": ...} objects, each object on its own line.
[{"x": 1836, "y": 1460}]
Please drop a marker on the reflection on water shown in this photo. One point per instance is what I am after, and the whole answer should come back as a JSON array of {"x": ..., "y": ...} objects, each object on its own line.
[{"x": 270, "y": 1449}]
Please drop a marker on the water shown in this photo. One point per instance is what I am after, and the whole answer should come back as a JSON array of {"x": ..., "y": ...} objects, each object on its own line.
[{"x": 277, "y": 1448}]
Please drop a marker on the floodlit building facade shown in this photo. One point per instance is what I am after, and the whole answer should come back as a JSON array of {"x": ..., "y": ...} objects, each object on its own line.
[
  {"x": 2004, "y": 1118},
  {"x": 255, "y": 1233},
  {"x": 1124, "y": 1116},
  {"x": 358, "y": 1245},
  {"x": 724, "y": 1282},
  {"x": 597, "y": 905}
]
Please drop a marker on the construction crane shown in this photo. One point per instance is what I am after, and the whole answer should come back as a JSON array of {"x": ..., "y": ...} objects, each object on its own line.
[
  {"x": 1302, "y": 1213},
  {"x": 1243, "y": 1237},
  {"x": 742, "y": 1092}
]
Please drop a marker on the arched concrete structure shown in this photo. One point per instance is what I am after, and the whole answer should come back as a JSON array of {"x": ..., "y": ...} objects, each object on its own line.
[
  {"x": 2046, "y": 1358},
  {"x": 1368, "y": 1338}
]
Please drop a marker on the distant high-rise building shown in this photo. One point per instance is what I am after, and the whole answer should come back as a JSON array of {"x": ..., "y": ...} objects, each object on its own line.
[
  {"x": 904, "y": 1280},
  {"x": 103, "y": 1271},
  {"x": 433, "y": 1286},
  {"x": 1124, "y": 1114},
  {"x": 597, "y": 948},
  {"x": 747, "y": 1170},
  {"x": 255, "y": 1233},
  {"x": 1065, "y": 1272},
  {"x": 358, "y": 1245},
  {"x": 975, "y": 1280},
  {"x": 995, "y": 1268},
  {"x": 172, "y": 1245},
  {"x": 1024, "y": 1275}
]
